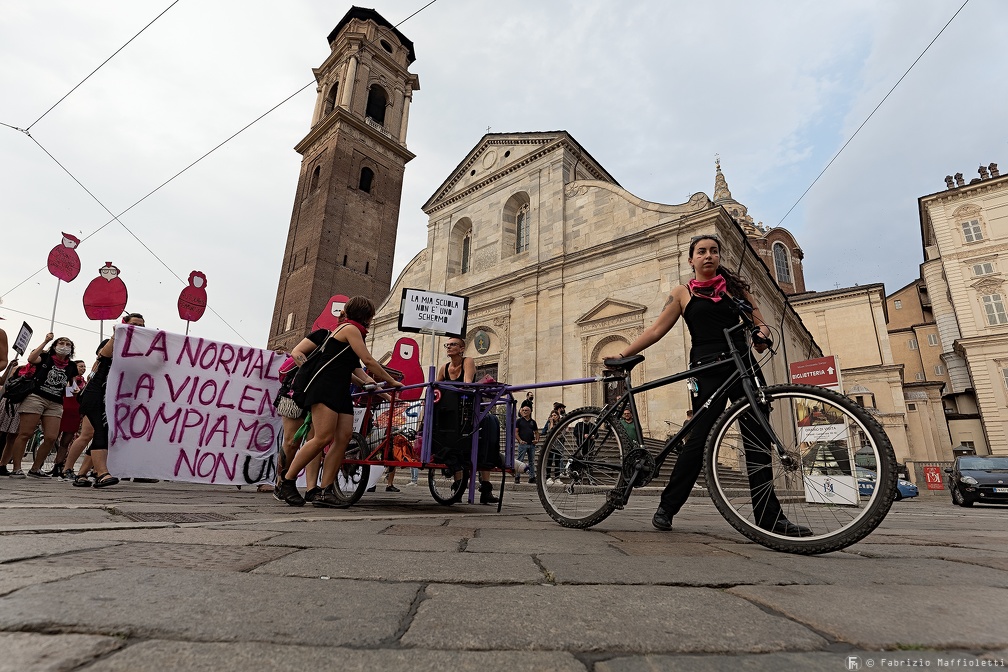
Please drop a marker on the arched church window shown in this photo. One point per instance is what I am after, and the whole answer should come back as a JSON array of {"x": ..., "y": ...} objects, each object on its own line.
[
  {"x": 366, "y": 176},
  {"x": 522, "y": 229},
  {"x": 781, "y": 263},
  {"x": 466, "y": 250},
  {"x": 313, "y": 185},
  {"x": 330, "y": 100},
  {"x": 376, "y": 101}
]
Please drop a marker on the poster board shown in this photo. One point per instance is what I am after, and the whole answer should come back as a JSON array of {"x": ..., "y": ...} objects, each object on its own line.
[{"x": 432, "y": 312}]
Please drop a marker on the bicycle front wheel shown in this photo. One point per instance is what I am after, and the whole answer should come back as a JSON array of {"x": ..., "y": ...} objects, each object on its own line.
[
  {"x": 352, "y": 479},
  {"x": 583, "y": 457},
  {"x": 816, "y": 498},
  {"x": 444, "y": 488}
]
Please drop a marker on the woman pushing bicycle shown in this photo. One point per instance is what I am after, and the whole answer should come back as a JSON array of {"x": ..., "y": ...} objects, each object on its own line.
[{"x": 706, "y": 306}]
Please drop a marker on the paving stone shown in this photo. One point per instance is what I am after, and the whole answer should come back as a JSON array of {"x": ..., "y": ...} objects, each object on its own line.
[
  {"x": 185, "y": 657},
  {"x": 878, "y": 616},
  {"x": 645, "y": 619},
  {"x": 30, "y": 652},
  {"x": 26, "y": 519},
  {"x": 716, "y": 570},
  {"x": 373, "y": 541},
  {"x": 765, "y": 662},
  {"x": 378, "y": 565},
  {"x": 14, "y": 576},
  {"x": 188, "y": 556},
  {"x": 405, "y": 530},
  {"x": 215, "y": 606},
  {"x": 184, "y": 535},
  {"x": 21, "y": 546},
  {"x": 848, "y": 569},
  {"x": 536, "y": 542}
]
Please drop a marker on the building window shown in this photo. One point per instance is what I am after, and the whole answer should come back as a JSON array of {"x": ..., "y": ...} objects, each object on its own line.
[
  {"x": 330, "y": 101},
  {"x": 897, "y": 304},
  {"x": 367, "y": 267},
  {"x": 932, "y": 339},
  {"x": 1004, "y": 374},
  {"x": 522, "y": 229},
  {"x": 920, "y": 375},
  {"x": 912, "y": 344},
  {"x": 289, "y": 324},
  {"x": 911, "y": 407},
  {"x": 366, "y": 176},
  {"x": 780, "y": 258},
  {"x": 939, "y": 370},
  {"x": 313, "y": 185},
  {"x": 376, "y": 100},
  {"x": 466, "y": 250},
  {"x": 985, "y": 268},
  {"x": 994, "y": 307},
  {"x": 971, "y": 231}
]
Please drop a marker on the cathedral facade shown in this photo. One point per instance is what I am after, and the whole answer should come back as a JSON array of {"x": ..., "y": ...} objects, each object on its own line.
[{"x": 563, "y": 267}]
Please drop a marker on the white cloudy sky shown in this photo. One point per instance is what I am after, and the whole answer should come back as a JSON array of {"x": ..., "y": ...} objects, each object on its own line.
[{"x": 653, "y": 89}]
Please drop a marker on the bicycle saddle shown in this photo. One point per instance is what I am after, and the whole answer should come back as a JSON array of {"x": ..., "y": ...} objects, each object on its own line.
[{"x": 623, "y": 363}]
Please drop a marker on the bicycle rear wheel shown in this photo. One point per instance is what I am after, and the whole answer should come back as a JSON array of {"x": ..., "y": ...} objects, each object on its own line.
[
  {"x": 352, "y": 479},
  {"x": 816, "y": 486},
  {"x": 443, "y": 488},
  {"x": 584, "y": 458}
]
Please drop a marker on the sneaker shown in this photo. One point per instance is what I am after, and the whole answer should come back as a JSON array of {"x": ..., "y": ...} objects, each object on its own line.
[
  {"x": 532, "y": 480},
  {"x": 329, "y": 499},
  {"x": 69, "y": 475},
  {"x": 662, "y": 520},
  {"x": 35, "y": 474},
  {"x": 550, "y": 481},
  {"x": 517, "y": 479},
  {"x": 17, "y": 473},
  {"x": 288, "y": 492},
  {"x": 392, "y": 488},
  {"x": 410, "y": 483},
  {"x": 312, "y": 494}
]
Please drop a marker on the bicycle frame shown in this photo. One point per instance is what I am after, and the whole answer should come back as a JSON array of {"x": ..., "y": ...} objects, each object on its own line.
[{"x": 751, "y": 386}]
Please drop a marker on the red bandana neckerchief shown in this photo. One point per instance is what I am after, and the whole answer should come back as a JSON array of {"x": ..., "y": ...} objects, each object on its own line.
[
  {"x": 59, "y": 362},
  {"x": 361, "y": 327},
  {"x": 709, "y": 289}
]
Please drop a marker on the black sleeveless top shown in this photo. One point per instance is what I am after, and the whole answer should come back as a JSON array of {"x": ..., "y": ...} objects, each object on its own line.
[{"x": 706, "y": 321}]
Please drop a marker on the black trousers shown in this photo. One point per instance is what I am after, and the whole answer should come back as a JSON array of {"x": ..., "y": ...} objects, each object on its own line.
[{"x": 766, "y": 507}]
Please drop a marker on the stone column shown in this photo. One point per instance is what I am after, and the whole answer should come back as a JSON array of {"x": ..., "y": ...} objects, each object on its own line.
[
  {"x": 407, "y": 97},
  {"x": 348, "y": 83}
]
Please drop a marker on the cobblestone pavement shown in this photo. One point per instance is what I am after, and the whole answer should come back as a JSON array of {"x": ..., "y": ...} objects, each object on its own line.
[{"x": 170, "y": 576}]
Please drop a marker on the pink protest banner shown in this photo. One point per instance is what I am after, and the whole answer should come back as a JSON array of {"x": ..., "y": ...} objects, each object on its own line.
[{"x": 182, "y": 408}]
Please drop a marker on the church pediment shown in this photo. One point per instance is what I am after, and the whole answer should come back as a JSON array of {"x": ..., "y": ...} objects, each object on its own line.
[
  {"x": 612, "y": 310},
  {"x": 499, "y": 154}
]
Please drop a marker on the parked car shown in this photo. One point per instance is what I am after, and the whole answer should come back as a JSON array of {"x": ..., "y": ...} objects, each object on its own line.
[
  {"x": 979, "y": 478},
  {"x": 866, "y": 485}
]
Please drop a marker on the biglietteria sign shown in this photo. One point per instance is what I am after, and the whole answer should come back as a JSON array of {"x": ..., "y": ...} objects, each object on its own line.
[
  {"x": 431, "y": 312},
  {"x": 822, "y": 371}
]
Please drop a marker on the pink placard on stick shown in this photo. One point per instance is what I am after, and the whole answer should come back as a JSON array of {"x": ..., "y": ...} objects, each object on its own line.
[
  {"x": 329, "y": 319},
  {"x": 105, "y": 298},
  {"x": 63, "y": 260},
  {"x": 193, "y": 299}
]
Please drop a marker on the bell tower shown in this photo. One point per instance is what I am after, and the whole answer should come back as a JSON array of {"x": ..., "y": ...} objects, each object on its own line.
[{"x": 346, "y": 210}]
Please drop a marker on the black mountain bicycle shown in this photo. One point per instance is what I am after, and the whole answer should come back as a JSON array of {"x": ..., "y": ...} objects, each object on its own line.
[{"x": 807, "y": 436}]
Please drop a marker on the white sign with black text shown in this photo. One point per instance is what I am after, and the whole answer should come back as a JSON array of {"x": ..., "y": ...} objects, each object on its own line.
[{"x": 432, "y": 312}]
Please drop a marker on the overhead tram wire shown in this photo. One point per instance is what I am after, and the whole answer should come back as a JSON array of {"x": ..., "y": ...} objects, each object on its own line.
[
  {"x": 115, "y": 218},
  {"x": 25, "y": 130},
  {"x": 42, "y": 317},
  {"x": 872, "y": 112}
]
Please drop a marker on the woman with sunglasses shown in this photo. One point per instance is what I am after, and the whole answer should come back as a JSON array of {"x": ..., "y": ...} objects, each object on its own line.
[
  {"x": 54, "y": 371},
  {"x": 463, "y": 369},
  {"x": 701, "y": 304}
]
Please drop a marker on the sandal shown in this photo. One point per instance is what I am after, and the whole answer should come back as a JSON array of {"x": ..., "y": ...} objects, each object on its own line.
[
  {"x": 82, "y": 481},
  {"x": 105, "y": 480}
]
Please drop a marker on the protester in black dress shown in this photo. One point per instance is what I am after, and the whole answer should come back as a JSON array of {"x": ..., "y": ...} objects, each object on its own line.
[
  {"x": 701, "y": 303},
  {"x": 323, "y": 386}
]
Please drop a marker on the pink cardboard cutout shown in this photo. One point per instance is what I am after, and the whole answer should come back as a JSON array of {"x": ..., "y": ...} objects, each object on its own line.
[
  {"x": 63, "y": 260},
  {"x": 192, "y": 300},
  {"x": 406, "y": 358},
  {"x": 105, "y": 297},
  {"x": 329, "y": 319}
]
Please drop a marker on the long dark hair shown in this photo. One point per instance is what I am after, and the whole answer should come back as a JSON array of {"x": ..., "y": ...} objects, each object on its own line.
[{"x": 737, "y": 286}]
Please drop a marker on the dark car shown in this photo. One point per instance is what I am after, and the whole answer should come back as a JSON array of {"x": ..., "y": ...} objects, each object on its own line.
[{"x": 976, "y": 478}]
